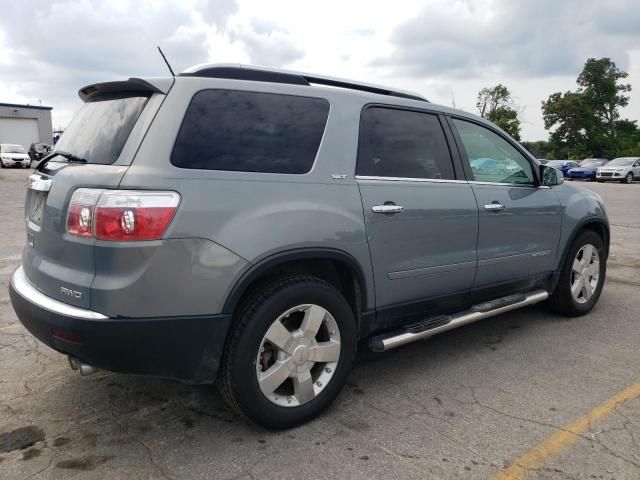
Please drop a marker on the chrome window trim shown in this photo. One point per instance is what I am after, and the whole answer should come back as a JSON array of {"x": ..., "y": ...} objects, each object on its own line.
[
  {"x": 408, "y": 179},
  {"x": 23, "y": 287},
  {"x": 438, "y": 180},
  {"x": 530, "y": 185}
]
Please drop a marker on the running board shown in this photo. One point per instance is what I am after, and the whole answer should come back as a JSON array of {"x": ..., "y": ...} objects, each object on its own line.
[{"x": 434, "y": 325}]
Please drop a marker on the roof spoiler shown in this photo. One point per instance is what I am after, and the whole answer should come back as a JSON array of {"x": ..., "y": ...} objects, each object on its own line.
[{"x": 133, "y": 87}]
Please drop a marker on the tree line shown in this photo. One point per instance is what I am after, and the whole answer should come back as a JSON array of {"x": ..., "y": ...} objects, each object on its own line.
[{"x": 582, "y": 123}]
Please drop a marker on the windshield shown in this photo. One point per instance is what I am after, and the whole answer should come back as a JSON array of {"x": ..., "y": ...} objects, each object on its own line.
[
  {"x": 556, "y": 163},
  {"x": 620, "y": 162},
  {"x": 100, "y": 129},
  {"x": 38, "y": 147},
  {"x": 13, "y": 149},
  {"x": 592, "y": 163}
]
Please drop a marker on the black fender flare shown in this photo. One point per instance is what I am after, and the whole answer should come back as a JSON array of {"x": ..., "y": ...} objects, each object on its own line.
[
  {"x": 267, "y": 263},
  {"x": 576, "y": 230}
]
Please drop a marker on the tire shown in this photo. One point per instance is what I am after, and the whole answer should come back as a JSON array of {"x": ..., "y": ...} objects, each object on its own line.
[
  {"x": 628, "y": 179},
  {"x": 563, "y": 301},
  {"x": 2, "y": 164},
  {"x": 28, "y": 165},
  {"x": 248, "y": 352}
]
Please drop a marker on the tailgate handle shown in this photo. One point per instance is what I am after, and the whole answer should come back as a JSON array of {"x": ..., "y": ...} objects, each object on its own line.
[{"x": 38, "y": 183}]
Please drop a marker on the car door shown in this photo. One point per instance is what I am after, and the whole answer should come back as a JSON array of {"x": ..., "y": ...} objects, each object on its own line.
[
  {"x": 421, "y": 221},
  {"x": 636, "y": 169},
  {"x": 519, "y": 220}
]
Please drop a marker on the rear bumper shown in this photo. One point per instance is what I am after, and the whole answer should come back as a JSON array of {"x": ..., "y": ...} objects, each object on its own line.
[{"x": 188, "y": 349}]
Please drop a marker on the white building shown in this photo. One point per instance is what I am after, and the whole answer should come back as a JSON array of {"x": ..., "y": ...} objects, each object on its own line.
[{"x": 25, "y": 124}]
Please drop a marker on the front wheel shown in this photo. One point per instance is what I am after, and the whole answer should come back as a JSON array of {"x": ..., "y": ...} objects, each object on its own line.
[
  {"x": 289, "y": 353},
  {"x": 582, "y": 276},
  {"x": 628, "y": 178}
]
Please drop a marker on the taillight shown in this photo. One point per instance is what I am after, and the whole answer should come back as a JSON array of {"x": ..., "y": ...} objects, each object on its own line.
[
  {"x": 81, "y": 212},
  {"x": 121, "y": 215}
]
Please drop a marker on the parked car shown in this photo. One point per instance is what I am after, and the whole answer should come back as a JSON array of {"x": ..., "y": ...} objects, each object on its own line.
[
  {"x": 623, "y": 169},
  {"x": 226, "y": 227},
  {"x": 587, "y": 169},
  {"x": 563, "y": 165},
  {"x": 12, "y": 155},
  {"x": 37, "y": 151}
]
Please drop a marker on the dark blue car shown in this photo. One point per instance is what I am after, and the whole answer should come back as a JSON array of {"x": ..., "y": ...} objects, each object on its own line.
[
  {"x": 563, "y": 165},
  {"x": 587, "y": 169}
]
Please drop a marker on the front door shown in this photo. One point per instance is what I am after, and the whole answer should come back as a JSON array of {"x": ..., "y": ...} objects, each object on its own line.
[
  {"x": 519, "y": 221},
  {"x": 422, "y": 222}
]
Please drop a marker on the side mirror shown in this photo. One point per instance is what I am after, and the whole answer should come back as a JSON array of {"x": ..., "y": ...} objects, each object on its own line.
[{"x": 550, "y": 176}]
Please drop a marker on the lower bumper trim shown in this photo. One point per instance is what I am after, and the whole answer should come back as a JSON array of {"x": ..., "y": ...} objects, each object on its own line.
[{"x": 187, "y": 348}]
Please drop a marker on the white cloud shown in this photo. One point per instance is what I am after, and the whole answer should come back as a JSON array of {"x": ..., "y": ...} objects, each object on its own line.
[{"x": 436, "y": 47}]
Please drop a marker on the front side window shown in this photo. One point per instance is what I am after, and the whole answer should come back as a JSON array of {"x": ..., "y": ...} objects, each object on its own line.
[
  {"x": 402, "y": 143},
  {"x": 491, "y": 157},
  {"x": 250, "y": 132}
]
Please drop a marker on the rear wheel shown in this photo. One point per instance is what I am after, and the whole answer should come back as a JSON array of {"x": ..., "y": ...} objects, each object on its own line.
[
  {"x": 582, "y": 276},
  {"x": 628, "y": 178},
  {"x": 289, "y": 353}
]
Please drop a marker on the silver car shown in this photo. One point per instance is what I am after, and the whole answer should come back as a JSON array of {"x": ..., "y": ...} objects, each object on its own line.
[
  {"x": 623, "y": 169},
  {"x": 251, "y": 226}
]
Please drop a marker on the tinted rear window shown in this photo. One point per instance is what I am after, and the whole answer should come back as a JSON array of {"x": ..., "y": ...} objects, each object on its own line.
[
  {"x": 250, "y": 132},
  {"x": 100, "y": 129}
]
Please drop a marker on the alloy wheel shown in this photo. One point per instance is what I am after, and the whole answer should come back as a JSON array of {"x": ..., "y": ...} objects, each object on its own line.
[
  {"x": 298, "y": 355},
  {"x": 585, "y": 273}
]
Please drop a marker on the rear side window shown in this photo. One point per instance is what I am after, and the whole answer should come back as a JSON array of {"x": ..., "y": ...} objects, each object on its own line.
[
  {"x": 100, "y": 129},
  {"x": 402, "y": 143},
  {"x": 250, "y": 132}
]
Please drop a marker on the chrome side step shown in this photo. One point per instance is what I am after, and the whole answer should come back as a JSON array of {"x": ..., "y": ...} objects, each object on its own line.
[{"x": 430, "y": 327}]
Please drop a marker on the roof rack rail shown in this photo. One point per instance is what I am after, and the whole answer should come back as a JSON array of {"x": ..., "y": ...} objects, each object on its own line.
[{"x": 275, "y": 75}]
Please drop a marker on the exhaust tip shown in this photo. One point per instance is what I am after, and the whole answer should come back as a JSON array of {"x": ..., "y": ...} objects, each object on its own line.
[{"x": 83, "y": 368}]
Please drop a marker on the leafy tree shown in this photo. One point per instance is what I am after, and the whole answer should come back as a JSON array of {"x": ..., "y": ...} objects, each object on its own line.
[
  {"x": 539, "y": 149},
  {"x": 627, "y": 138},
  {"x": 601, "y": 90},
  {"x": 586, "y": 122},
  {"x": 496, "y": 105}
]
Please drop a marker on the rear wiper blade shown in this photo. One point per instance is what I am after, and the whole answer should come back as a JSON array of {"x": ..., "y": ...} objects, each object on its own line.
[{"x": 71, "y": 157}]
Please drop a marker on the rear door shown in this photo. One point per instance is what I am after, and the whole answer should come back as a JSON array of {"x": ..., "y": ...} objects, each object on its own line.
[
  {"x": 421, "y": 220},
  {"x": 95, "y": 152},
  {"x": 519, "y": 221}
]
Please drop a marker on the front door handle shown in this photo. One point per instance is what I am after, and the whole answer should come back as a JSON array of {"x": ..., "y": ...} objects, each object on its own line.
[
  {"x": 494, "y": 207},
  {"x": 386, "y": 209}
]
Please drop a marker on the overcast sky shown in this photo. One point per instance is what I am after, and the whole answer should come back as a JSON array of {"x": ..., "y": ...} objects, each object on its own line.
[{"x": 446, "y": 50}]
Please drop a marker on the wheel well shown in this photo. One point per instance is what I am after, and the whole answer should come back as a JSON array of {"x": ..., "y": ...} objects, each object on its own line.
[
  {"x": 599, "y": 229},
  {"x": 339, "y": 274}
]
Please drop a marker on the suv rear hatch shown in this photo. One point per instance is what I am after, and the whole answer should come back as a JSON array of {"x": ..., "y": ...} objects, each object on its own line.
[{"x": 94, "y": 152}]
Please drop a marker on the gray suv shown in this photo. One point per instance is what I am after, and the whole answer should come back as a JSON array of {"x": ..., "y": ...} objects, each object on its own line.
[{"x": 252, "y": 226}]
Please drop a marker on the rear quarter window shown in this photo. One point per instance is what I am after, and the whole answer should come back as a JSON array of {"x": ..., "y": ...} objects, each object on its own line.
[{"x": 250, "y": 132}]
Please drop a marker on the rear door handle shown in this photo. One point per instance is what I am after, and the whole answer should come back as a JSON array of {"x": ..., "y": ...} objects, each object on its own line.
[
  {"x": 386, "y": 209},
  {"x": 494, "y": 207}
]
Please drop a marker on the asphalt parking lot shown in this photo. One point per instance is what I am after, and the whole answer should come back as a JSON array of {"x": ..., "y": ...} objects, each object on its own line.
[{"x": 559, "y": 397}]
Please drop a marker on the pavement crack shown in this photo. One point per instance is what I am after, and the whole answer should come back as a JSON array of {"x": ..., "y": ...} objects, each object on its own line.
[{"x": 142, "y": 443}]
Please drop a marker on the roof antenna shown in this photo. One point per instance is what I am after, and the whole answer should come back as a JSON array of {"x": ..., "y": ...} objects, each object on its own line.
[{"x": 166, "y": 61}]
